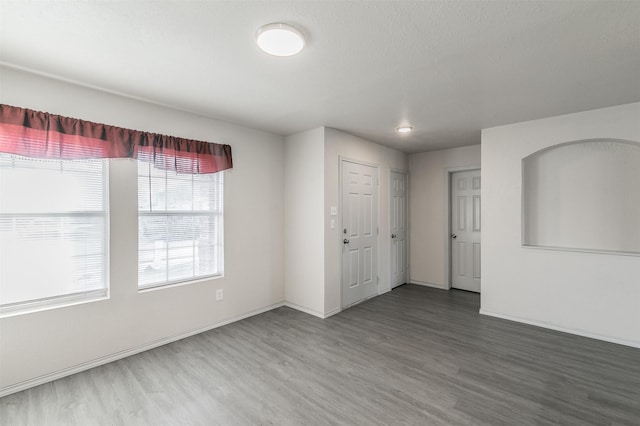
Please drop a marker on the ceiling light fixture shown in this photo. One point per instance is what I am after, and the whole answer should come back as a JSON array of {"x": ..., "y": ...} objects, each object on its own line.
[
  {"x": 280, "y": 39},
  {"x": 404, "y": 129}
]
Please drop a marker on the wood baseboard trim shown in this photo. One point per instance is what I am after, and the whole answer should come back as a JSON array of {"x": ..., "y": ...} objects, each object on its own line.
[{"x": 541, "y": 324}]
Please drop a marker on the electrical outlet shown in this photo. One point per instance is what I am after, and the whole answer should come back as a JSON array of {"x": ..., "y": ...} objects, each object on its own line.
[{"x": 219, "y": 294}]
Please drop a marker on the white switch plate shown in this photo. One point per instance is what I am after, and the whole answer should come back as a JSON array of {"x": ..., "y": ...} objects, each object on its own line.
[
  {"x": 334, "y": 211},
  {"x": 333, "y": 224},
  {"x": 219, "y": 294}
]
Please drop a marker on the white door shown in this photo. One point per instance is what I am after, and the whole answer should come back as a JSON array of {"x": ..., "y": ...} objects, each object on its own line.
[
  {"x": 359, "y": 232},
  {"x": 398, "y": 229},
  {"x": 465, "y": 230}
]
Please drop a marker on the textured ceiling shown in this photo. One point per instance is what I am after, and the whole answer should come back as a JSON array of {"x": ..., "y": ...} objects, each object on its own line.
[{"x": 447, "y": 68}]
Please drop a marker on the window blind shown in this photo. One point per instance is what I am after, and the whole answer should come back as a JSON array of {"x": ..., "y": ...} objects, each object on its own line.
[
  {"x": 179, "y": 226},
  {"x": 53, "y": 230}
]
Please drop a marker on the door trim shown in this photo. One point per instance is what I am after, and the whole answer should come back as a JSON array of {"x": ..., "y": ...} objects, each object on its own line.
[
  {"x": 341, "y": 159},
  {"x": 406, "y": 214},
  {"x": 447, "y": 214}
]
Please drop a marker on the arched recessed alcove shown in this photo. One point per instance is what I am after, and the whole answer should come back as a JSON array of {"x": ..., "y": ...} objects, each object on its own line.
[{"x": 583, "y": 195}]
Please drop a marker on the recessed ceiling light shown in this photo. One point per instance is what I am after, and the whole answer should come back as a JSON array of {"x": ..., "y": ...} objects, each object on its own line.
[
  {"x": 404, "y": 129},
  {"x": 280, "y": 39}
]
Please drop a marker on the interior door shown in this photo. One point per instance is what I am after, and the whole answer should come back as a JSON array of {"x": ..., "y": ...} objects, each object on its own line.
[
  {"x": 465, "y": 230},
  {"x": 398, "y": 236},
  {"x": 360, "y": 232}
]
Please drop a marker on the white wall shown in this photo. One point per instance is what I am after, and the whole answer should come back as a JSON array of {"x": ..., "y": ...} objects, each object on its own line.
[
  {"x": 339, "y": 144},
  {"x": 428, "y": 211},
  {"x": 38, "y": 344},
  {"x": 597, "y": 295},
  {"x": 304, "y": 232}
]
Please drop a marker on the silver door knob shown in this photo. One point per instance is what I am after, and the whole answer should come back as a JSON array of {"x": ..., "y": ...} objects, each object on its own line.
[
  {"x": 454, "y": 236},
  {"x": 393, "y": 235},
  {"x": 345, "y": 241}
]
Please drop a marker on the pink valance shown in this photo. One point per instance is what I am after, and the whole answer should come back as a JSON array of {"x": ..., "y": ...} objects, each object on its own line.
[{"x": 37, "y": 134}]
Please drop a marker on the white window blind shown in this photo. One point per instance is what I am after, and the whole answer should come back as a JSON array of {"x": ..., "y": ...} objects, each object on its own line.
[
  {"x": 179, "y": 226},
  {"x": 53, "y": 231}
]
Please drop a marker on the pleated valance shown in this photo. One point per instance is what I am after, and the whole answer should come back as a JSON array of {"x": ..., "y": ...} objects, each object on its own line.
[{"x": 36, "y": 134}]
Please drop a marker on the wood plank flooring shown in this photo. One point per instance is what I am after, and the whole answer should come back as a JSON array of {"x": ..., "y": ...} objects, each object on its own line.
[{"x": 414, "y": 356}]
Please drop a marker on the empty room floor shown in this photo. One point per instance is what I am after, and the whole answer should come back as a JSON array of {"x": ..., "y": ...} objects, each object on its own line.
[{"x": 416, "y": 355}]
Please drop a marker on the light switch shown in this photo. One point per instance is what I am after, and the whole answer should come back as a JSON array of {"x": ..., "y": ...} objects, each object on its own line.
[
  {"x": 333, "y": 224},
  {"x": 334, "y": 211}
]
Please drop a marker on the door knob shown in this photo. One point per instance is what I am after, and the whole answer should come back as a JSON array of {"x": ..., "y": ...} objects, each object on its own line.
[
  {"x": 345, "y": 241},
  {"x": 393, "y": 235},
  {"x": 454, "y": 236}
]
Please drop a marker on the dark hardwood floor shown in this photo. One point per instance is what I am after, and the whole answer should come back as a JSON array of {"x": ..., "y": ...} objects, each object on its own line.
[{"x": 414, "y": 356}]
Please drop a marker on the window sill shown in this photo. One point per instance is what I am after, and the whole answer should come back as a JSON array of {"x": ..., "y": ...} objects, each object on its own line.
[
  {"x": 172, "y": 284},
  {"x": 53, "y": 303}
]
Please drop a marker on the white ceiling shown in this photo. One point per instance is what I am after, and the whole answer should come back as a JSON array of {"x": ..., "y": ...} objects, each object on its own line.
[{"x": 447, "y": 68}]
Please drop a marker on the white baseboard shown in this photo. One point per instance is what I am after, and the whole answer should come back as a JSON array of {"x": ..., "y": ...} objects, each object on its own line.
[
  {"x": 624, "y": 342},
  {"x": 312, "y": 311},
  {"x": 428, "y": 284},
  {"x": 331, "y": 313},
  {"x": 304, "y": 309},
  {"x": 123, "y": 354}
]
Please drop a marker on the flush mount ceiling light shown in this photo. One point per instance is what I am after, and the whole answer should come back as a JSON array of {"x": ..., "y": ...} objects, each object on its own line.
[
  {"x": 404, "y": 129},
  {"x": 280, "y": 39}
]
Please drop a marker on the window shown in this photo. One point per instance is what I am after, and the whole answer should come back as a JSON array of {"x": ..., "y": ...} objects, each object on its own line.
[
  {"x": 179, "y": 226},
  {"x": 53, "y": 231}
]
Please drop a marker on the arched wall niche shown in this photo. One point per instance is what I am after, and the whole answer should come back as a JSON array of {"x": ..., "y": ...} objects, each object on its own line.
[{"x": 583, "y": 195}]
